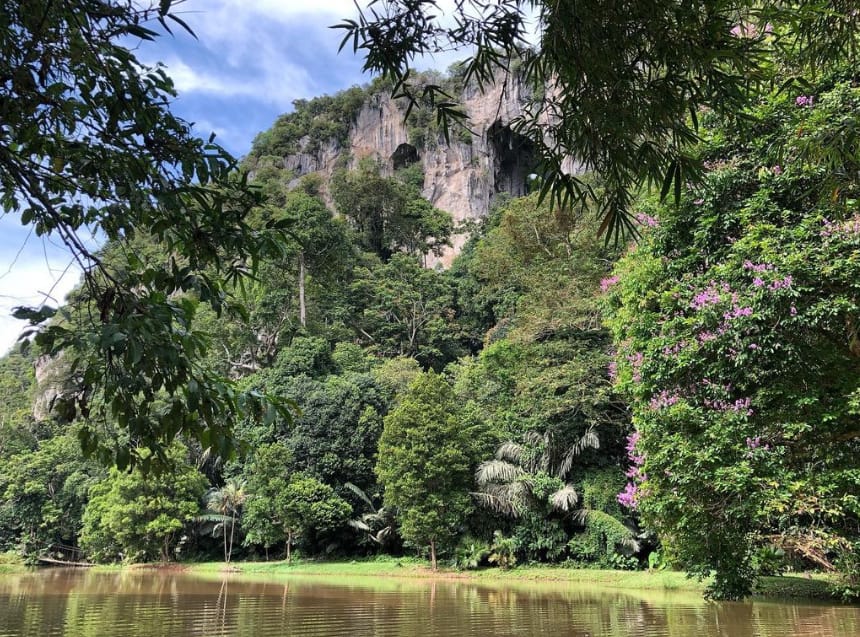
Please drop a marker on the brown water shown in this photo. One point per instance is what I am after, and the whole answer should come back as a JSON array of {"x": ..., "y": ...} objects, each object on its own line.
[{"x": 150, "y": 604}]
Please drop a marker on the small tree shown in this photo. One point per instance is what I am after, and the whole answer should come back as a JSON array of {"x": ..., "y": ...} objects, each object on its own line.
[
  {"x": 226, "y": 502},
  {"x": 266, "y": 475},
  {"x": 309, "y": 506},
  {"x": 282, "y": 508},
  {"x": 137, "y": 515},
  {"x": 425, "y": 463}
]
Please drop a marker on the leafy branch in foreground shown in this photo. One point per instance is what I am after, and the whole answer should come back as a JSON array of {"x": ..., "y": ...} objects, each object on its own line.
[{"x": 88, "y": 146}]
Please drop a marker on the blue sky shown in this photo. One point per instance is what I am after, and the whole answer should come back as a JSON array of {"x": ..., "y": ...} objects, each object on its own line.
[{"x": 252, "y": 58}]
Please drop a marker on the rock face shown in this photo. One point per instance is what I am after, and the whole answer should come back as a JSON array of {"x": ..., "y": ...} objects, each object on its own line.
[{"x": 461, "y": 178}]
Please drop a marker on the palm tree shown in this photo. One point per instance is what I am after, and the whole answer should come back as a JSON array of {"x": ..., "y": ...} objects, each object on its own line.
[
  {"x": 225, "y": 503},
  {"x": 507, "y": 484},
  {"x": 377, "y": 524}
]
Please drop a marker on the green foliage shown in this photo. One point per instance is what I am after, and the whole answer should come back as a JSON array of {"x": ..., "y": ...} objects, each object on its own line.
[
  {"x": 334, "y": 437},
  {"x": 388, "y": 214},
  {"x": 349, "y": 357},
  {"x": 470, "y": 553},
  {"x": 539, "y": 538},
  {"x": 43, "y": 492},
  {"x": 395, "y": 375},
  {"x": 17, "y": 385},
  {"x": 137, "y": 516},
  {"x": 308, "y": 507},
  {"x": 89, "y": 143},
  {"x": 403, "y": 309},
  {"x": 425, "y": 463},
  {"x": 604, "y": 537},
  {"x": 503, "y": 551},
  {"x": 735, "y": 320},
  {"x": 312, "y": 124},
  {"x": 769, "y": 560},
  {"x": 377, "y": 524},
  {"x": 266, "y": 476},
  {"x": 288, "y": 507},
  {"x": 657, "y": 561},
  {"x": 227, "y": 502},
  {"x": 310, "y": 356}
]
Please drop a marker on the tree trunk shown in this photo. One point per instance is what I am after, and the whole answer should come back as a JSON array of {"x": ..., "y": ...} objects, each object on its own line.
[
  {"x": 433, "y": 554},
  {"x": 302, "y": 310},
  {"x": 226, "y": 559},
  {"x": 232, "y": 528},
  {"x": 289, "y": 546}
]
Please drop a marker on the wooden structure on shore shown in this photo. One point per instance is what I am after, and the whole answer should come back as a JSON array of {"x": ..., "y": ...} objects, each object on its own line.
[{"x": 63, "y": 555}]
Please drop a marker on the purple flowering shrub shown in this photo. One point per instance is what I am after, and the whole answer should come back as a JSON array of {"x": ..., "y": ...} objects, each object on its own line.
[{"x": 737, "y": 326}]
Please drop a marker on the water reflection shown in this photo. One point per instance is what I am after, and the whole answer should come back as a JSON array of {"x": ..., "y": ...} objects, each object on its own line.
[{"x": 148, "y": 604}]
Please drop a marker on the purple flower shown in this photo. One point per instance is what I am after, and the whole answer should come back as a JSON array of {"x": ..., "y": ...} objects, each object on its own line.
[
  {"x": 757, "y": 282},
  {"x": 777, "y": 170},
  {"x": 663, "y": 399},
  {"x": 757, "y": 267},
  {"x": 608, "y": 282},
  {"x": 628, "y": 497},
  {"x": 784, "y": 283},
  {"x": 804, "y": 100},
  {"x": 632, "y": 439},
  {"x": 708, "y": 296},
  {"x": 738, "y": 312},
  {"x": 647, "y": 220},
  {"x": 705, "y": 337}
]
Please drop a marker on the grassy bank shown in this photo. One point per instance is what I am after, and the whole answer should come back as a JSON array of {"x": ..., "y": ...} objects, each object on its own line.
[
  {"x": 775, "y": 587},
  {"x": 805, "y": 587},
  {"x": 11, "y": 562}
]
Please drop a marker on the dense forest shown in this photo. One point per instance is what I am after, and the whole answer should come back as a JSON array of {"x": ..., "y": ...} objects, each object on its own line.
[{"x": 687, "y": 398}]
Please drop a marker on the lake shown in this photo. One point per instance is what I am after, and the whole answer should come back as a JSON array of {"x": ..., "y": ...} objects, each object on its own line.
[{"x": 146, "y": 603}]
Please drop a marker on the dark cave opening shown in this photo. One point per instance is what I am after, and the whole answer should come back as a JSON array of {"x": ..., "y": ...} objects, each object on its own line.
[
  {"x": 404, "y": 155},
  {"x": 515, "y": 159}
]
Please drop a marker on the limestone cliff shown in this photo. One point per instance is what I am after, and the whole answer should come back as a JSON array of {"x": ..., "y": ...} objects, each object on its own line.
[{"x": 462, "y": 177}]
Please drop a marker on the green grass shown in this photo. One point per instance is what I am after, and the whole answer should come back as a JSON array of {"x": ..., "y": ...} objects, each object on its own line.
[
  {"x": 11, "y": 562},
  {"x": 815, "y": 587}
]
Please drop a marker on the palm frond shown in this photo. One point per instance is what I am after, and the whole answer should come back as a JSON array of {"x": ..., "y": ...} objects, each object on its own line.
[
  {"x": 361, "y": 495},
  {"x": 589, "y": 440},
  {"x": 511, "y": 451},
  {"x": 208, "y": 517},
  {"x": 565, "y": 499},
  {"x": 382, "y": 535},
  {"x": 497, "y": 471},
  {"x": 359, "y": 525},
  {"x": 499, "y": 504}
]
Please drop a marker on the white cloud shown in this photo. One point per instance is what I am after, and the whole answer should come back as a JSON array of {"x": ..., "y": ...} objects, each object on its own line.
[
  {"x": 280, "y": 89},
  {"x": 242, "y": 51},
  {"x": 31, "y": 283}
]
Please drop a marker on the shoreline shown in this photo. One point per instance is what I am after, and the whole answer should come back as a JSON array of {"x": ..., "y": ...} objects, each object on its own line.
[
  {"x": 811, "y": 587},
  {"x": 805, "y": 586}
]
